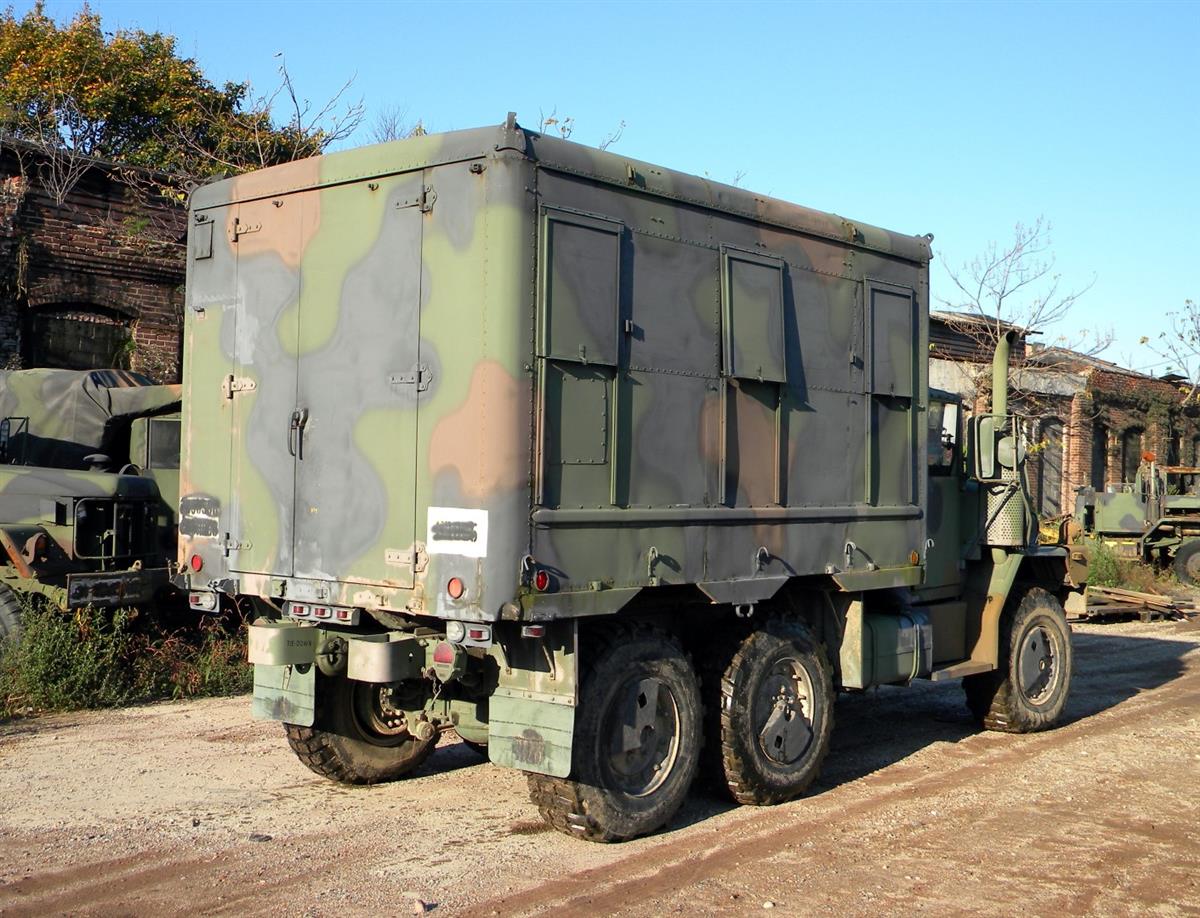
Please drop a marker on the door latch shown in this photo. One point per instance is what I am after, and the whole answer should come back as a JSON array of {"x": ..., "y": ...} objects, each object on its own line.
[
  {"x": 238, "y": 229},
  {"x": 420, "y": 377}
]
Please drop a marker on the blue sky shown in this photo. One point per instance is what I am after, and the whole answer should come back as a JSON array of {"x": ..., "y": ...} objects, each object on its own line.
[{"x": 960, "y": 119}]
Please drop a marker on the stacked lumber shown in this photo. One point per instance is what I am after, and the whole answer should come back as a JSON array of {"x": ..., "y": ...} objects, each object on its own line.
[{"x": 1109, "y": 602}]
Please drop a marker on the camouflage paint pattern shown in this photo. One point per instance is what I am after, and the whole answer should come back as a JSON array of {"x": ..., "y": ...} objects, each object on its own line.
[
  {"x": 68, "y": 531},
  {"x": 485, "y": 353}
]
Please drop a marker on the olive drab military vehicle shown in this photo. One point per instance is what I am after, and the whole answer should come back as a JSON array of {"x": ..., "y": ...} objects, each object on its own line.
[
  {"x": 561, "y": 450},
  {"x": 1156, "y": 518},
  {"x": 89, "y": 484}
]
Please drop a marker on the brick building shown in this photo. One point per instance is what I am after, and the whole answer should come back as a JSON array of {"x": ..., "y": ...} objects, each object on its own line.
[
  {"x": 1088, "y": 420},
  {"x": 95, "y": 280}
]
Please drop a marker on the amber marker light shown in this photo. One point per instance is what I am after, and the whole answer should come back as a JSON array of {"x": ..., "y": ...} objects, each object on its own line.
[{"x": 913, "y": 557}]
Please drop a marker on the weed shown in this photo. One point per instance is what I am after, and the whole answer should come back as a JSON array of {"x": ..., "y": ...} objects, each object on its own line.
[{"x": 95, "y": 658}]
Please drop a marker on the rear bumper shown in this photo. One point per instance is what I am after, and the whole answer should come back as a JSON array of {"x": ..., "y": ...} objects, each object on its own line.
[{"x": 115, "y": 588}]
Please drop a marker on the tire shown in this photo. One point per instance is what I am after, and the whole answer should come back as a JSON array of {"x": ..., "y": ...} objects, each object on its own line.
[
  {"x": 480, "y": 749},
  {"x": 1187, "y": 563},
  {"x": 1029, "y": 690},
  {"x": 637, "y": 740},
  {"x": 350, "y": 742},
  {"x": 10, "y": 614},
  {"x": 776, "y": 714}
]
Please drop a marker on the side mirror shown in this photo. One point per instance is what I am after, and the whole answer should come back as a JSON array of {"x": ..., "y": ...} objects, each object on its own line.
[
  {"x": 994, "y": 448},
  {"x": 983, "y": 447}
]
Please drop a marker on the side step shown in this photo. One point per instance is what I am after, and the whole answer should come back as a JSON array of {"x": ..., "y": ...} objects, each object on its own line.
[{"x": 958, "y": 670}]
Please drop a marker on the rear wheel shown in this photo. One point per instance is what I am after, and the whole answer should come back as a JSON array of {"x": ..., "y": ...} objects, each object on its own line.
[
  {"x": 1187, "y": 563},
  {"x": 357, "y": 737},
  {"x": 637, "y": 741},
  {"x": 776, "y": 714},
  {"x": 1029, "y": 690},
  {"x": 10, "y": 615}
]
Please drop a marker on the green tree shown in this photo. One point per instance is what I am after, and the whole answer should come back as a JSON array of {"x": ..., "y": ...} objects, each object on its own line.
[{"x": 73, "y": 92}]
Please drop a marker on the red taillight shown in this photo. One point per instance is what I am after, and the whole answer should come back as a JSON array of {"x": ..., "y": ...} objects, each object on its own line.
[
  {"x": 197, "y": 562},
  {"x": 455, "y": 588},
  {"x": 443, "y": 653},
  {"x": 541, "y": 581}
]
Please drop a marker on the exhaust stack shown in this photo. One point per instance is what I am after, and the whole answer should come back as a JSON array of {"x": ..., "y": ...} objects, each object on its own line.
[{"x": 1000, "y": 373}]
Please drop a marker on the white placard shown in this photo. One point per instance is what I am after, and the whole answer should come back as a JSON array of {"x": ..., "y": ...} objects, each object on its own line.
[{"x": 457, "y": 531}]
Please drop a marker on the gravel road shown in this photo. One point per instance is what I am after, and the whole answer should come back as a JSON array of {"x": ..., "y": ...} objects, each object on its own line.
[{"x": 195, "y": 809}]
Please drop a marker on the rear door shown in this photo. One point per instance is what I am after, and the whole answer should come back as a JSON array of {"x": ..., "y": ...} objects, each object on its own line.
[
  {"x": 360, "y": 378},
  {"x": 268, "y": 237}
]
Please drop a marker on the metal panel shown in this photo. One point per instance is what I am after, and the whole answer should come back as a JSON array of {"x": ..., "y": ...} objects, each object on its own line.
[
  {"x": 675, "y": 317},
  {"x": 581, "y": 258},
  {"x": 891, "y": 475},
  {"x": 892, "y": 335},
  {"x": 575, "y": 434},
  {"x": 752, "y": 310},
  {"x": 263, "y": 346},
  {"x": 368, "y": 292},
  {"x": 751, "y": 462}
]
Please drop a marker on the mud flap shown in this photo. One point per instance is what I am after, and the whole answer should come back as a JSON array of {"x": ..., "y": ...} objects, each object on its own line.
[
  {"x": 530, "y": 734},
  {"x": 285, "y": 693},
  {"x": 531, "y": 714}
]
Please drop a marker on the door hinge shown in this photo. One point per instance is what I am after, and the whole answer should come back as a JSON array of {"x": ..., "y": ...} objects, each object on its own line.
[
  {"x": 423, "y": 199},
  {"x": 416, "y": 558},
  {"x": 238, "y": 228},
  {"x": 231, "y": 384},
  {"x": 420, "y": 377}
]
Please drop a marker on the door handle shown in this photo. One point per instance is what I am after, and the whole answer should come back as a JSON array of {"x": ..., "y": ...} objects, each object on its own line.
[
  {"x": 296, "y": 432},
  {"x": 303, "y": 422}
]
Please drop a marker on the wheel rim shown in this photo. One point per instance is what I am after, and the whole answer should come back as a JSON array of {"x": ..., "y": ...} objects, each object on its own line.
[
  {"x": 375, "y": 720},
  {"x": 784, "y": 712},
  {"x": 1037, "y": 664},
  {"x": 642, "y": 727}
]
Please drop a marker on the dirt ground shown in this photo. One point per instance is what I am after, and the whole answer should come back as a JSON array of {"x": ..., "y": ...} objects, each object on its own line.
[{"x": 194, "y": 808}]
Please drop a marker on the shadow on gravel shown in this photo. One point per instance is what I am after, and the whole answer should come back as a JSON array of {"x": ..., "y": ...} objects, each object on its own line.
[{"x": 881, "y": 727}]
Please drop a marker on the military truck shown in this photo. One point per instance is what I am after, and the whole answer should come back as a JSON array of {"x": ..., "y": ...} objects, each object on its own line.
[
  {"x": 562, "y": 450},
  {"x": 89, "y": 485},
  {"x": 1148, "y": 520}
]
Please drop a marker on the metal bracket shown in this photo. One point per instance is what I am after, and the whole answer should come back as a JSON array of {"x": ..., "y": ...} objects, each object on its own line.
[
  {"x": 420, "y": 377},
  {"x": 231, "y": 384}
]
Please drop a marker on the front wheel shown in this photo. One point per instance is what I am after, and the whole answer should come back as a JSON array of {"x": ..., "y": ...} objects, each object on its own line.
[
  {"x": 1029, "y": 689},
  {"x": 637, "y": 740},
  {"x": 357, "y": 737}
]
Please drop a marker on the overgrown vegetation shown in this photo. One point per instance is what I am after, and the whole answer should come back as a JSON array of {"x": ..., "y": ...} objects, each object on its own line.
[
  {"x": 95, "y": 658},
  {"x": 1107, "y": 569}
]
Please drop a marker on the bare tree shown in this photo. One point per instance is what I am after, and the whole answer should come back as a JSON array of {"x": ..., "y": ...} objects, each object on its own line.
[
  {"x": 1179, "y": 346},
  {"x": 392, "y": 123},
  {"x": 1016, "y": 286},
  {"x": 251, "y": 138}
]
